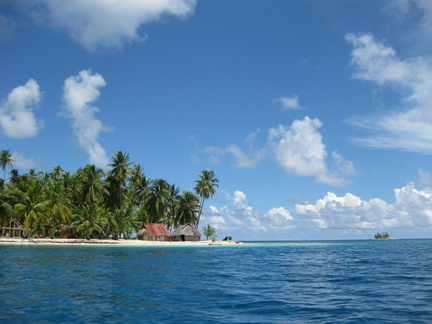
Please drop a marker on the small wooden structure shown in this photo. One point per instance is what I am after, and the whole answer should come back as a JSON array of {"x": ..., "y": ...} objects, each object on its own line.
[
  {"x": 153, "y": 232},
  {"x": 15, "y": 229},
  {"x": 186, "y": 233},
  {"x": 67, "y": 232}
]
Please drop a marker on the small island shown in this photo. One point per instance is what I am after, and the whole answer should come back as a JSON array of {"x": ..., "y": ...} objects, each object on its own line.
[
  {"x": 382, "y": 236},
  {"x": 100, "y": 206}
]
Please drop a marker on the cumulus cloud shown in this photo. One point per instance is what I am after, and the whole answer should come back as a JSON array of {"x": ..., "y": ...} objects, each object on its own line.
[
  {"x": 424, "y": 179},
  {"x": 236, "y": 215},
  {"x": 412, "y": 209},
  {"x": 338, "y": 216},
  {"x": 300, "y": 151},
  {"x": 289, "y": 103},
  {"x": 78, "y": 93},
  {"x": 297, "y": 148},
  {"x": 17, "y": 119},
  {"x": 100, "y": 24},
  {"x": 279, "y": 219},
  {"x": 22, "y": 162},
  {"x": 408, "y": 128}
]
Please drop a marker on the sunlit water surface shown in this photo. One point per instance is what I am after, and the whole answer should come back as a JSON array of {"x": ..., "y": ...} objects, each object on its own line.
[{"x": 271, "y": 282}]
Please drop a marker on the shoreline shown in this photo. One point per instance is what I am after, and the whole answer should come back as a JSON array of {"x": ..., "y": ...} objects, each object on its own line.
[{"x": 120, "y": 242}]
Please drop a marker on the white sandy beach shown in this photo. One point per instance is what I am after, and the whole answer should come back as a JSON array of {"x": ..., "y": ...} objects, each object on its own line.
[{"x": 130, "y": 242}]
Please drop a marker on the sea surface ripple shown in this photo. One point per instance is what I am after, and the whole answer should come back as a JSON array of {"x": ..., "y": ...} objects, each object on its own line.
[{"x": 279, "y": 282}]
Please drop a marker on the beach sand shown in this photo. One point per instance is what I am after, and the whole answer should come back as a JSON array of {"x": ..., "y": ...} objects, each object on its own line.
[{"x": 130, "y": 242}]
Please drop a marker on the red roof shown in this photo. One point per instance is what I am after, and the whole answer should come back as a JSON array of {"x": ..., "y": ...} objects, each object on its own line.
[{"x": 156, "y": 229}]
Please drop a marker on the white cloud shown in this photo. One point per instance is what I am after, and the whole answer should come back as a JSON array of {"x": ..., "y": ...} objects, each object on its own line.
[
  {"x": 289, "y": 103},
  {"x": 24, "y": 163},
  {"x": 300, "y": 151},
  {"x": 423, "y": 180},
  {"x": 78, "y": 92},
  {"x": 7, "y": 28},
  {"x": 412, "y": 209},
  {"x": 99, "y": 24},
  {"x": 410, "y": 128},
  {"x": 331, "y": 217},
  {"x": 279, "y": 219},
  {"x": 415, "y": 206},
  {"x": 243, "y": 160},
  {"x": 17, "y": 119},
  {"x": 344, "y": 166},
  {"x": 297, "y": 148},
  {"x": 236, "y": 216},
  {"x": 418, "y": 14}
]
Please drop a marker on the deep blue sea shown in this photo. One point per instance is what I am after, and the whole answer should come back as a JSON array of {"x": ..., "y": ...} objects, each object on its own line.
[{"x": 272, "y": 282}]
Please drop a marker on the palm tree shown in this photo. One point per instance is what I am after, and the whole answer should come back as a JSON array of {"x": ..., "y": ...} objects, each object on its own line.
[
  {"x": 157, "y": 200},
  {"x": 34, "y": 208},
  {"x": 209, "y": 231},
  {"x": 123, "y": 221},
  {"x": 187, "y": 210},
  {"x": 57, "y": 172},
  {"x": 136, "y": 173},
  {"x": 5, "y": 161},
  {"x": 90, "y": 218},
  {"x": 139, "y": 189},
  {"x": 205, "y": 188},
  {"x": 119, "y": 174},
  {"x": 59, "y": 206},
  {"x": 91, "y": 187},
  {"x": 14, "y": 176},
  {"x": 173, "y": 195},
  {"x": 6, "y": 204}
]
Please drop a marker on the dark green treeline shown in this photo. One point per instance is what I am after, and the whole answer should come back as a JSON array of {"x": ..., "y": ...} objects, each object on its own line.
[{"x": 97, "y": 203}]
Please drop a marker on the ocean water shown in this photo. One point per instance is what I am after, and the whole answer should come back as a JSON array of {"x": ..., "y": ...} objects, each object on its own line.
[{"x": 272, "y": 282}]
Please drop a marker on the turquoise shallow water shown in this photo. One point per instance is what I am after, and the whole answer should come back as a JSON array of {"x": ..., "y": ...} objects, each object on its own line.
[{"x": 271, "y": 282}]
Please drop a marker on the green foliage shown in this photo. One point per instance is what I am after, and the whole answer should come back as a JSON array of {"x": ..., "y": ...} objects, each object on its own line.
[
  {"x": 95, "y": 202},
  {"x": 187, "y": 209},
  {"x": 205, "y": 188},
  {"x": 209, "y": 232},
  {"x": 5, "y": 161},
  {"x": 382, "y": 236}
]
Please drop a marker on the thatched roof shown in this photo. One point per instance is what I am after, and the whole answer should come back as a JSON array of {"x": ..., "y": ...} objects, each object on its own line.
[{"x": 187, "y": 230}]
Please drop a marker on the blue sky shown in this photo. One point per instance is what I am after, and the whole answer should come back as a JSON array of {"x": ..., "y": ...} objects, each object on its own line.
[{"x": 315, "y": 115}]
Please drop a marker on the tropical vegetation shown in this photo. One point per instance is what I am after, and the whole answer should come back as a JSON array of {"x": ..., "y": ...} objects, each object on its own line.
[
  {"x": 382, "y": 236},
  {"x": 205, "y": 188},
  {"x": 209, "y": 231},
  {"x": 97, "y": 204}
]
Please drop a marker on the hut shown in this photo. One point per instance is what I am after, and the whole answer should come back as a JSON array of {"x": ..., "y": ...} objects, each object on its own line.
[
  {"x": 186, "y": 233},
  {"x": 15, "y": 229},
  {"x": 153, "y": 232}
]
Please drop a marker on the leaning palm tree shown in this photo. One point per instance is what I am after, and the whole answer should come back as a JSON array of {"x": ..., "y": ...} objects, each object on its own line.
[
  {"x": 205, "y": 188},
  {"x": 5, "y": 161}
]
